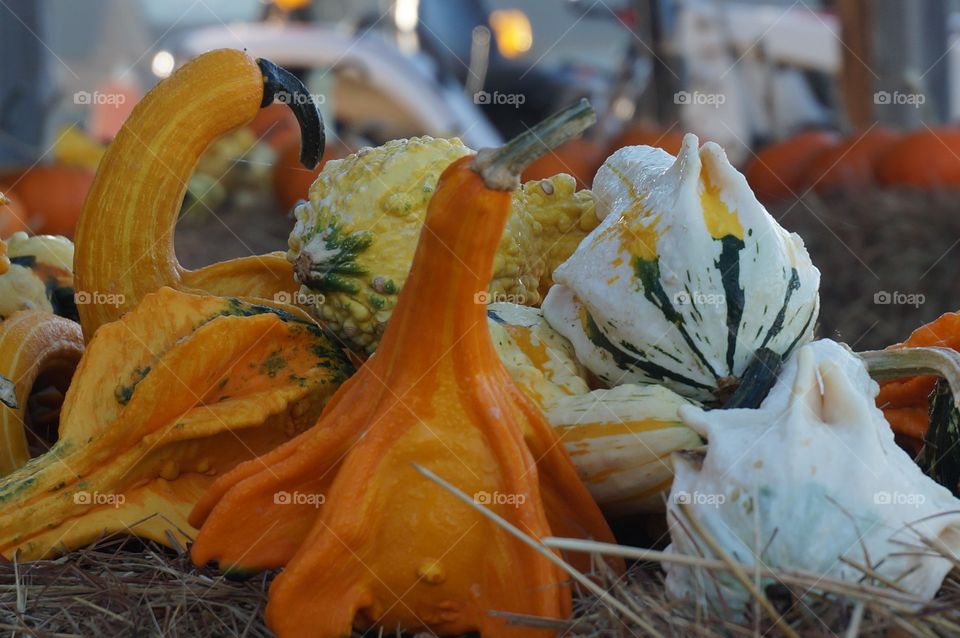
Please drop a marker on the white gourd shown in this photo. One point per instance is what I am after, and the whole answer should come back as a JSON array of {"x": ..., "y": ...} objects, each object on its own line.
[
  {"x": 686, "y": 276},
  {"x": 810, "y": 481}
]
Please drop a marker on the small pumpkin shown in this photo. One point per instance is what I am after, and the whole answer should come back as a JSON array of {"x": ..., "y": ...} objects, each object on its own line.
[
  {"x": 39, "y": 276},
  {"x": 54, "y": 197},
  {"x": 685, "y": 246},
  {"x": 779, "y": 171},
  {"x": 125, "y": 235},
  {"x": 172, "y": 395},
  {"x": 924, "y": 158},
  {"x": 36, "y": 349},
  {"x": 848, "y": 165},
  {"x": 383, "y": 545}
]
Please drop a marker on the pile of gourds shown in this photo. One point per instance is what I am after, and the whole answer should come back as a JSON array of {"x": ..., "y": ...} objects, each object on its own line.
[{"x": 238, "y": 406}]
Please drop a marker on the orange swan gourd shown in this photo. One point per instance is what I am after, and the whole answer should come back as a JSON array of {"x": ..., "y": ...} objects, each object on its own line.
[
  {"x": 124, "y": 238},
  {"x": 365, "y": 539}
]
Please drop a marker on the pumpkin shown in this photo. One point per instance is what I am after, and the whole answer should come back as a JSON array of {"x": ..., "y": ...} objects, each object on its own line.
[
  {"x": 353, "y": 242},
  {"x": 125, "y": 235},
  {"x": 848, "y": 165},
  {"x": 39, "y": 275},
  {"x": 779, "y": 171},
  {"x": 640, "y": 134},
  {"x": 579, "y": 157},
  {"x": 925, "y": 158},
  {"x": 54, "y": 197},
  {"x": 685, "y": 246},
  {"x": 291, "y": 181},
  {"x": 13, "y": 216},
  {"x": 172, "y": 395},
  {"x": 368, "y": 540},
  {"x": 36, "y": 349},
  {"x": 811, "y": 481}
]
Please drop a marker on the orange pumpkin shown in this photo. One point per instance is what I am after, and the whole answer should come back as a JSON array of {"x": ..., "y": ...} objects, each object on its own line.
[
  {"x": 291, "y": 181},
  {"x": 646, "y": 135},
  {"x": 13, "y": 215},
  {"x": 849, "y": 164},
  {"x": 926, "y": 158},
  {"x": 779, "y": 171},
  {"x": 54, "y": 196},
  {"x": 579, "y": 157}
]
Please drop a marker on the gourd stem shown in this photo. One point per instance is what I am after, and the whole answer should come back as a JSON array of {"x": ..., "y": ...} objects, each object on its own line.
[
  {"x": 501, "y": 167},
  {"x": 909, "y": 362},
  {"x": 756, "y": 381},
  {"x": 282, "y": 86}
]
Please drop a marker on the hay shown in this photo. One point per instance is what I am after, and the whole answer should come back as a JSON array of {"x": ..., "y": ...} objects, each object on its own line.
[{"x": 879, "y": 241}]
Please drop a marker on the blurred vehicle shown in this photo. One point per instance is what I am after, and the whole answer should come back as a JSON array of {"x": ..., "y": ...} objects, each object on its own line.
[{"x": 366, "y": 85}]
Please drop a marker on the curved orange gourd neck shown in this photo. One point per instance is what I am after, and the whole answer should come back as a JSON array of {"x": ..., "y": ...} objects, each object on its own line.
[{"x": 458, "y": 245}]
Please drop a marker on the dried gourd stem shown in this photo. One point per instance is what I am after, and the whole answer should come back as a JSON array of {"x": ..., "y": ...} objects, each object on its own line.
[
  {"x": 282, "y": 86},
  {"x": 588, "y": 584},
  {"x": 8, "y": 393},
  {"x": 909, "y": 362},
  {"x": 501, "y": 166}
]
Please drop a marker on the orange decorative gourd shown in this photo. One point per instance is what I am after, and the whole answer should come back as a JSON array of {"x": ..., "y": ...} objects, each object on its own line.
[
  {"x": 925, "y": 158},
  {"x": 365, "y": 539},
  {"x": 849, "y": 164},
  {"x": 291, "y": 181},
  {"x": 53, "y": 196},
  {"x": 124, "y": 247},
  {"x": 904, "y": 401},
  {"x": 34, "y": 346},
  {"x": 779, "y": 170},
  {"x": 579, "y": 157}
]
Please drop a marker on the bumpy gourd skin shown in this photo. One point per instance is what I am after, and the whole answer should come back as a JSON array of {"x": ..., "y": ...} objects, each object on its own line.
[{"x": 353, "y": 242}]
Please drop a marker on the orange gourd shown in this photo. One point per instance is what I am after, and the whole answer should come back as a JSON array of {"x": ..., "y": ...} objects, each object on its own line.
[
  {"x": 904, "y": 401},
  {"x": 53, "y": 196},
  {"x": 35, "y": 346},
  {"x": 849, "y": 164},
  {"x": 365, "y": 539},
  {"x": 124, "y": 247},
  {"x": 779, "y": 171},
  {"x": 926, "y": 158}
]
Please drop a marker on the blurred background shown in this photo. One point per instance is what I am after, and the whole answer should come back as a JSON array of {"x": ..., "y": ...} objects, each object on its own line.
[{"x": 840, "y": 113}]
